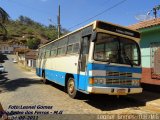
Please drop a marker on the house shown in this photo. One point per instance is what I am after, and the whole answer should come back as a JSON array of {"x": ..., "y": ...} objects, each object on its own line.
[
  {"x": 150, "y": 50},
  {"x": 30, "y": 58},
  {"x": 20, "y": 55},
  {"x": 7, "y": 48},
  {"x": 26, "y": 57}
]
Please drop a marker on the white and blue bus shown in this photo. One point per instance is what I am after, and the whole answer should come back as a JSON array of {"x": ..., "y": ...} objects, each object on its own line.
[{"x": 99, "y": 58}]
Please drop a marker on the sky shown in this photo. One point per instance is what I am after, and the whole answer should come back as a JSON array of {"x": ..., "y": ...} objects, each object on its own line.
[{"x": 74, "y": 12}]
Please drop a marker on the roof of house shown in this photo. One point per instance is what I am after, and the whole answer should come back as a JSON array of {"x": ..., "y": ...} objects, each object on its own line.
[
  {"x": 21, "y": 50},
  {"x": 145, "y": 24},
  {"x": 31, "y": 54}
]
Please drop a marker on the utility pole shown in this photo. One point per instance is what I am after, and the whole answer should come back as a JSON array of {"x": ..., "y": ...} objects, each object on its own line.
[
  {"x": 58, "y": 21},
  {"x": 155, "y": 12},
  {"x": 155, "y": 9}
]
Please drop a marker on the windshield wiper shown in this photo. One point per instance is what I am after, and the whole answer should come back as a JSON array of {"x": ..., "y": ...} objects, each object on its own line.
[
  {"x": 109, "y": 61},
  {"x": 128, "y": 60}
]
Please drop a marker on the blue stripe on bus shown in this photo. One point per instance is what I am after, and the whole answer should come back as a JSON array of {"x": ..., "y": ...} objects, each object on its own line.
[
  {"x": 113, "y": 68},
  {"x": 59, "y": 78}
]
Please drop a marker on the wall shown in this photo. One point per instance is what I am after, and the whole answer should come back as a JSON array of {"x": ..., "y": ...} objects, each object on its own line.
[
  {"x": 5, "y": 48},
  {"x": 148, "y": 36},
  {"x": 31, "y": 63},
  {"x": 146, "y": 39}
]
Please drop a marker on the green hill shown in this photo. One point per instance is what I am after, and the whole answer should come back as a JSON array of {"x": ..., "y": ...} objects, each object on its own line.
[{"x": 31, "y": 33}]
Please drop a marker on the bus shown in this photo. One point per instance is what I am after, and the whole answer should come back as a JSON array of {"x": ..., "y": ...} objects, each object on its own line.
[{"x": 99, "y": 58}]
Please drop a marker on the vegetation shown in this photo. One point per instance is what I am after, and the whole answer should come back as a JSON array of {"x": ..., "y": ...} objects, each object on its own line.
[
  {"x": 33, "y": 43},
  {"x": 28, "y": 32},
  {"x": 3, "y": 18}
]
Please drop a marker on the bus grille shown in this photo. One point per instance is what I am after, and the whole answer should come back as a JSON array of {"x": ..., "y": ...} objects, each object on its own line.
[
  {"x": 118, "y": 81},
  {"x": 121, "y": 74}
]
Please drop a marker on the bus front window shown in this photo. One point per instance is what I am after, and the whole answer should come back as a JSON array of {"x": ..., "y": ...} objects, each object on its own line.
[{"x": 114, "y": 49}]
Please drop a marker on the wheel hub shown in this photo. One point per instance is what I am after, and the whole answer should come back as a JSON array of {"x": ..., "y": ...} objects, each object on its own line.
[{"x": 71, "y": 86}]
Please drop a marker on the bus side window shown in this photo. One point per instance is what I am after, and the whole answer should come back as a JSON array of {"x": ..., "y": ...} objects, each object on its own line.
[
  {"x": 76, "y": 48},
  {"x": 47, "y": 55},
  {"x": 39, "y": 54},
  {"x": 84, "y": 53},
  {"x": 73, "y": 43},
  {"x": 54, "y": 49},
  {"x": 62, "y": 46},
  {"x": 48, "y": 51},
  {"x": 85, "y": 45},
  {"x": 44, "y": 53}
]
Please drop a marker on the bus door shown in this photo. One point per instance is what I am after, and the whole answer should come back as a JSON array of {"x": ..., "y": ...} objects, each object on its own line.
[
  {"x": 83, "y": 58},
  {"x": 42, "y": 62},
  {"x": 38, "y": 64}
]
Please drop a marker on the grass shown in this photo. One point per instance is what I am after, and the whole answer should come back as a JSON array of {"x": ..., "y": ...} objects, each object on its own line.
[{"x": 25, "y": 67}]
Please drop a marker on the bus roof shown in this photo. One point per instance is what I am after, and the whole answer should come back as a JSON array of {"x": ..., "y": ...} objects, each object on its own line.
[
  {"x": 94, "y": 23},
  {"x": 116, "y": 25},
  {"x": 70, "y": 33}
]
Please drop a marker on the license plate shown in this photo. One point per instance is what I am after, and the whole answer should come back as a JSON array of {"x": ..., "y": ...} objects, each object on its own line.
[{"x": 121, "y": 91}]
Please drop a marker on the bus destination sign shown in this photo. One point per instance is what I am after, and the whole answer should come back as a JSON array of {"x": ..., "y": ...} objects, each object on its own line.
[{"x": 118, "y": 29}]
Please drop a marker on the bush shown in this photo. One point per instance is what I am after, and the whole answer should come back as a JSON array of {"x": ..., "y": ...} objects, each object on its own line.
[{"x": 33, "y": 43}]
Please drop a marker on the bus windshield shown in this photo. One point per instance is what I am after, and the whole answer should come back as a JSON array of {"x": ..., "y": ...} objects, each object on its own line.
[{"x": 115, "y": 49}]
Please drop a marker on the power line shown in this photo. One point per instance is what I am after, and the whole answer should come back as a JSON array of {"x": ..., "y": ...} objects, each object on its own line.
[
  {"x": 106, "y": 10},
  {"x": 80, "y": 18}
]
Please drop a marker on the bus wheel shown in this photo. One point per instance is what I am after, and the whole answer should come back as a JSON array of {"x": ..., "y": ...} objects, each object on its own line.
[
  {"x": 44, "y": 78},
  {"x": 71, "y": 90}
]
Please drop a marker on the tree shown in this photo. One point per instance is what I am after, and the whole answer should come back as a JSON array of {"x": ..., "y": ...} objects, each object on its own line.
[
  {"x": 26, "y": 20},
  {"x": 3, "y": 17},
  {"x": 33, "y": 43}
]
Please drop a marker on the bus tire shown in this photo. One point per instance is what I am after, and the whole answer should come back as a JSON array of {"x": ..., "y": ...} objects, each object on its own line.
[
  {"x": 71, "y": 89},
  {"x": 45, "y": 81}
]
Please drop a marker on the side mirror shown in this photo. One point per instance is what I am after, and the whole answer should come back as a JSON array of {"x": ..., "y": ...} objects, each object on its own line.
[{"x": 94, "y": 36}]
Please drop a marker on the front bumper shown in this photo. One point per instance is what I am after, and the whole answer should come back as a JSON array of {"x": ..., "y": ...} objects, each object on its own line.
[{"x": 114, "y": 90}]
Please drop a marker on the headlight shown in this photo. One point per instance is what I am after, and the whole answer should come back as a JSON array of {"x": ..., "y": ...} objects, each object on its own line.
[
  {"x": 95, "y": 81},
  {"x": 101, "y": 81},
  {"x": 98, "y": 80}
]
